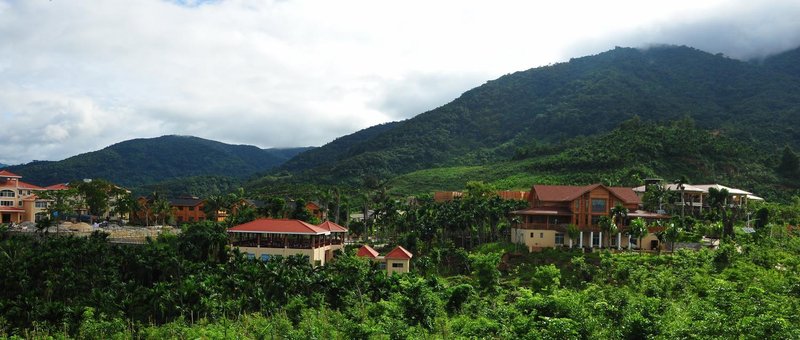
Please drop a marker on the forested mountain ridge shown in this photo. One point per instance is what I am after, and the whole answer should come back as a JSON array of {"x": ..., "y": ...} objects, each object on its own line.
[
  {"x": 144, "y": 161},
  {"x": 753, "y": 102}
]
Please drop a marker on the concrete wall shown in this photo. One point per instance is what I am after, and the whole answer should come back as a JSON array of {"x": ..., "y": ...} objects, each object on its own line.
[
  {"x": 536, "y": 239},
  {"x": 404, "y": 266}
]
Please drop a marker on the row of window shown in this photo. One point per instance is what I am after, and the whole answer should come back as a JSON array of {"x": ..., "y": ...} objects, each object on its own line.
[
  {"x": 598, "y": 205},
  {"x": 181, "y": 208},
  {"x": 11, "y": 204}
]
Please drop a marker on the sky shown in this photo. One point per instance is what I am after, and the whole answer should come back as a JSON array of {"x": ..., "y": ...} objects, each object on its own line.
[{"x": 79, "y": 75}]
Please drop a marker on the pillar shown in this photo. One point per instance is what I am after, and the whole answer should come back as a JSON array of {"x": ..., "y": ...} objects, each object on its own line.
[
  {"x": 619, "y": 241},
  {"x": 600, "y": 240},
  {"x": 629, "y": 242},
  {"x": 580, "y": 240},
  {"x": 591, "y": 239}
]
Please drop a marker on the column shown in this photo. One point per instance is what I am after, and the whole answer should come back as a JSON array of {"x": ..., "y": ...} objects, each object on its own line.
[
  {"x": 619, "y": 241},
  {"x": 601, "y": 240},
  {"x": 591, "y": 239},
  {"x": 629, "y": 242},
  {"x": 580, "y": 240}
]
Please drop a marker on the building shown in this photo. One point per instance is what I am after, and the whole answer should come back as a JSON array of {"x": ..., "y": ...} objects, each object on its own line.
[
  {"x": 553, "y": 207},
  {"x": 20, "y": 201},
  {"x": 695, "y": 196},
  {"x": 265, "y": 238},
  {"x": 396, "y": 261},
  {"x": 187, "y": 209}
]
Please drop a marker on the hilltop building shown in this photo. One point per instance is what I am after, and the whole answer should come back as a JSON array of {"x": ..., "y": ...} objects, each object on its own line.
[
  {"x": 695, "y": 196},
  {"x": 265, "y": 238},
  {"x": 553, "y": 207}
]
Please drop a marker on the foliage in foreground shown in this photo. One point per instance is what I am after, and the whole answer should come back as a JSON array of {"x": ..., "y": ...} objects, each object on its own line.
[{"x": 187, "y": 287}]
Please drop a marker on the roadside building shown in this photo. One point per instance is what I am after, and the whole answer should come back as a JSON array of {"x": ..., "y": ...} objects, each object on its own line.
[{"x": 20, "y": 201}]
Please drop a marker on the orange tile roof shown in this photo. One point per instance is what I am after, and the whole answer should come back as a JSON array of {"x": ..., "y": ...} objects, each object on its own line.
[
  {"x": 367, "y": 251},
  {"x": 399, "y": 253},
  {"x": 278, "y": 226},
  {"x": 332, "y": 227},
  {"x": 23, "y": 185},
  {"x": 6, "y": 173},
  {"x": 59, "y": 186}
]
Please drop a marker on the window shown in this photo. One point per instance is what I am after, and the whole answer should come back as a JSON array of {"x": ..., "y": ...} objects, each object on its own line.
[
  {"x": 382, "y": 265},
  {"x": 559, "y": 239},
  {"x": 596, "y": 239},
  {"x": 20, "y": 203},
  {"x": 7, "y": 193},
  {"x": 532, "y": 235},
  {"x": 41, "y": 204},
  {"x": 598, "y": 205},
  {"x": 191, "y": 208},
  {"x": 265, "y": 257},
  {"x": 180, "y": 208},
  {"x": 250, "y": 256},
  {"x": 7, "y": 203},
  {"x": 317, "y": 263},
  {"x": 397, "y": 265},
  {"x": 541, "y": 235}
]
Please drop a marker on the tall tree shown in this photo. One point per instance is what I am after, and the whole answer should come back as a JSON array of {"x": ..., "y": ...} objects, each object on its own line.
[
  {"x": 638, "y": 230},
  {"x": 790, "y": 164}
]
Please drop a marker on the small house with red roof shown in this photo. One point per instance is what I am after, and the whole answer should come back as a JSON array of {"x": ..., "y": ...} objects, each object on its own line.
[
  {"x": 265, "y": 238},
  {"x": 553, "y": 207},
  {"x": 396, "y": 261}
]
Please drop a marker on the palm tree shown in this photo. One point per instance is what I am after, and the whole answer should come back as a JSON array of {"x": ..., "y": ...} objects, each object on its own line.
[
  {"x": 573, "y": 232},
  {"x": 618, "y": 216},
  {"x": 638, "y": 230},
  {"x": 607, "y": 226}
]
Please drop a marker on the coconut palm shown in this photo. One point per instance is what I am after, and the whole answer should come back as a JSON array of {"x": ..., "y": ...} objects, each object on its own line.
[
  {"x": 638, "y": 230},
  {"x": 573, "y": 232},
  {"x": 607, "y": 226}
]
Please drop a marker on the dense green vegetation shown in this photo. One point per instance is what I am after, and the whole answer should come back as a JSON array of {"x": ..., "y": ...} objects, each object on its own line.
[
  {"x": 626, "y": 155},
  {"x": 189, "y": 286},
  {"x": 145, "y": 162},
  {"x": 754, "y": 103}
]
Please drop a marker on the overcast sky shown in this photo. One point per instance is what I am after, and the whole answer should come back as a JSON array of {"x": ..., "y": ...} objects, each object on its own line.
[{"x": 76, "y": 76}]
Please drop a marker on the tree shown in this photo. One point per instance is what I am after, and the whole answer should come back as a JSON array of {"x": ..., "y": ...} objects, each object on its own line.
[
  {"x": 300, "y": 211},
  {"x": 607, "y": 226},
  {"x": 96, "y": 194},
  {"x": 62, "y": 205},
  {"x": 638, "y": 230},
  {"x": 718, "y": 202},
  {"x": 790, "y": 164},
  {"x": 573, "y": 232},
  {"x": 671, "y": 235}
]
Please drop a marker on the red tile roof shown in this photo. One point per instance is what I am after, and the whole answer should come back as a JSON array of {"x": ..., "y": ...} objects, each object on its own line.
[
  {"x": 23, "y": 185},
  {"x": 6, "y": 173},
  {"x": 275, "y": 226},
  {"x": 367, "y": 251},
  {"x": 59, "y": 186},
  {"x": 399, "y": 253},
  {"x": 332, "y": 227},
  {"x": 565, "y": 193}
]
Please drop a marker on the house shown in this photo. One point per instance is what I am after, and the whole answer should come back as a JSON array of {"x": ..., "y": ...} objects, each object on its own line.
[
  {"x": 396, "y": 261},
  {"x": 20, "y": 201},
  {"x": 553, "y": 207},
  {"x": 264, "y": 238},
  {"x": 187, "y": 209}
]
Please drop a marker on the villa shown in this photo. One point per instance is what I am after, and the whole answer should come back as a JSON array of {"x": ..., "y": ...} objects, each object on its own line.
[
  {"x": 265, "y": 238},
  {"x": 553, "y": 207}
]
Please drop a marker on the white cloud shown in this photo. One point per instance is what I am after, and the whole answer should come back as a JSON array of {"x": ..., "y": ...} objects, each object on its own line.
[{"x": 78, "y": 75}]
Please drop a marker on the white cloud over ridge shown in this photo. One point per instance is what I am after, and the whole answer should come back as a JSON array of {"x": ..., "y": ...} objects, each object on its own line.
[{"x": 78, "y": 75}]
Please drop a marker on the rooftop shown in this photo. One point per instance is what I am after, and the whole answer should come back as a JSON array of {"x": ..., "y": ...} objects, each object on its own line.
[{"x": 278, "y": 226}]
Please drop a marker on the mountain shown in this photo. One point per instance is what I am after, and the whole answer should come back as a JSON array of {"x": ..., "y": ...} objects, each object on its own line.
[
  {"x": 3, "y": 165},
  {"x": 145, "y": 161},
  {"x": 754, "y": 103}
]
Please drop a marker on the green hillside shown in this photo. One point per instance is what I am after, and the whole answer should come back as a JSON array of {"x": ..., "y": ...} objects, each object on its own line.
[
  {"x": 624, "y": 156},
  {"x": 755, "y": 103},
  {"x": 140, "y": 162}
]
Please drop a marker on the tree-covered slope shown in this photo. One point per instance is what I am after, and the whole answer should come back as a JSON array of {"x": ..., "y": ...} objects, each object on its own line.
[
  {"x": 138, "y": 162},
  {"x": 626, "y": 155},
  {"x": 753, "y": 102}
]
